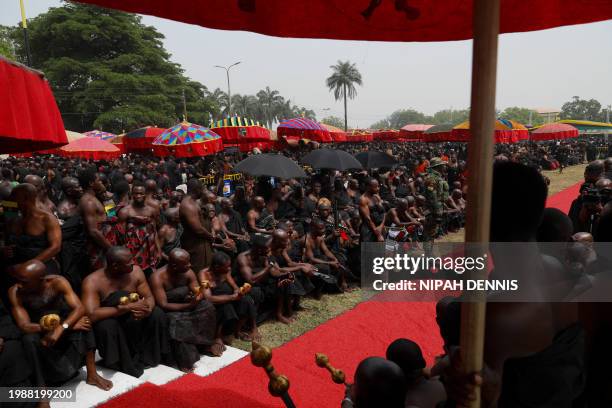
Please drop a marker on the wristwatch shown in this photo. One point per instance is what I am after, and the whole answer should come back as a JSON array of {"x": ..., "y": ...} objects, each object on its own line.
[{"x": 65, "y": 326}]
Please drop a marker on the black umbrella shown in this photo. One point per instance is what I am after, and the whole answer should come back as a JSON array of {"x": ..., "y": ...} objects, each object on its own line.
[
  {"x": 374, "y": 159},
  {"x": 271, "y": 165},
  {"x": 331, "y": 159}
]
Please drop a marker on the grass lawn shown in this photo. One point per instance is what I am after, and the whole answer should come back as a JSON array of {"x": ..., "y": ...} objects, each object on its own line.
[{"x": 317, "y": 312}]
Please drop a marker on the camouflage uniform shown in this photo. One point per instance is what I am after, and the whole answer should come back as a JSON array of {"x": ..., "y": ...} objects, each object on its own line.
[{"x": 436, "y": 194}]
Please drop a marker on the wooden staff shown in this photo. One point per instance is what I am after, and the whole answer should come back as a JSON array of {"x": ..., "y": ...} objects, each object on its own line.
[{"x": 480, "y": 174}]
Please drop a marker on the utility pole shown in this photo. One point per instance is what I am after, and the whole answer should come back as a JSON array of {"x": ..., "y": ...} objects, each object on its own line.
[
  {"x": 26, "y": 37},
  {"x": 229, "y": 93}
]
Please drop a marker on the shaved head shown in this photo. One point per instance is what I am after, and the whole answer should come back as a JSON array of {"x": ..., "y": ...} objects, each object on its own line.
[{"x": 24, "y": 194}]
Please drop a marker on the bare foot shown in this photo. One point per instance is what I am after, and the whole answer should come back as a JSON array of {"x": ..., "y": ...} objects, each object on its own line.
[
  {"x": 99, "y": 381},
  {"x": 187, "y": 370},
  {"x": 255, "y": 335},
  {"x": 228, "y": 339},
  {"x": 283, "y": 319},
  {"x": 244, "y": 336},
  {"x": 217, "y": 349}
]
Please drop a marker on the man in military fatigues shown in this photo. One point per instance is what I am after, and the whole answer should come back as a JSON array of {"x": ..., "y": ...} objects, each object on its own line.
[{"x": 436, "y": 194}]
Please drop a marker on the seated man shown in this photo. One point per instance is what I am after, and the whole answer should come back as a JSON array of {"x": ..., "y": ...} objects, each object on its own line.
[
  {"x": 233, "y": 308},
  {"x": 259, "y": 218},
  {"x": 254, "y": 267},
  {"x": 421, "y": 392},
  {"x": 170, "y": 233},
  {"x": 297, "y": 273},
  {"x": 322, "y": 258},
  {"x": 233, "y": 226},
  {"x": 131, "y": 334},
  {"x": 191, "y": 319},
  {"x": 403, "y": 227},
  {"x": 57, "y": 351},
  {"x": 15, "y": 372}
]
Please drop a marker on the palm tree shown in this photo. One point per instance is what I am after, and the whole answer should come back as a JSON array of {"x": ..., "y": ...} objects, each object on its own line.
[
  {"x": 244, "y": 105},
  {"x": 269, "y": 102},
  {"x": 220, "y": 99},
  {"x": 342, "y": 81}
]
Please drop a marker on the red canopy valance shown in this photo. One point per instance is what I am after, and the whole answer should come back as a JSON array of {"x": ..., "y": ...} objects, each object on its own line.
[{"x": 29, "y": 117}]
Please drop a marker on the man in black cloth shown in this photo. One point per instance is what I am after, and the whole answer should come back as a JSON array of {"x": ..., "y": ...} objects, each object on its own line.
[
  {"x": 233, "y": 307},
  {"x": 15, "y": 371},
  {"x": 233, "y": 225},
  {"x": 534, "y": 351},
  {"x": 56, "y": 355},
  {"x": 318, "y": 254},
  {"x": 130, "y": 336},
  {"x": 259, "y": 219},
  {"x": 73, "y": 256},
  {"x": 191, "y": 318}
]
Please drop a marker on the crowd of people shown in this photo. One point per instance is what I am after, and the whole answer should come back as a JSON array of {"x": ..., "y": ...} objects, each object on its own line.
[{"x": 156, "y": 261}]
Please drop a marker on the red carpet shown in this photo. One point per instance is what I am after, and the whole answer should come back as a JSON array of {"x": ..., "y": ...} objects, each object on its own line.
[
  {"x": 563, "y": 199},
  {"x": 363, "y": 331}
]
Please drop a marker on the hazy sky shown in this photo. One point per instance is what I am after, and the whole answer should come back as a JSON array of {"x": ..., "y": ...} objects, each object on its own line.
[{"x": 537, "y": 69}]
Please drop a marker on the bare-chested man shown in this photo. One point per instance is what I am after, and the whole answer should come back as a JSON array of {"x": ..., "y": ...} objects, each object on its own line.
[
  {"x": 317, "y": 253},
  {"x": 151, "y": 193},
  {"x": 259, "y": 220},
  {"x": 42, "y": 196},
  {"x": 233, "y": 225},
  {"x": 55, "y": 353},
  {"x": 140, "y": 220},
  {"x": 403, "y": 225},
  {"x": 372, "y": 213},
  {"x": 131, "y": 334},
  {"x": 197, "y": 236},
  {"x": 36, "y": 234},
  {"x": 191, "y": 318},
  {"x": 170, "y": 233},
  {"x": 233, "y": 308},
  {"x": 99, "y": 228}
]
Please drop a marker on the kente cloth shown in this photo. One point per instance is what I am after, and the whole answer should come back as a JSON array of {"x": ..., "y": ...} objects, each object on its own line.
[
  {"x": 111, "y": 230},
  {"x": 553, "y": 377},
  {"x": 199, "y": 248},
  {"x": 189, "y": 329},
  {"x": 141, "y": 240},
  {"x": 55, "y": 365},
  {"x": 73, "y": 258},
  {"x": 130, "y": 345}
]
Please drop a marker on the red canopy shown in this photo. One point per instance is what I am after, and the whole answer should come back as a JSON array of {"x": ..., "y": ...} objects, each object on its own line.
[
  {"x": 90, "y": 148},
  {"x": 386, "y": 135},
  {"x": 29, "y": 117},
  {"x": 303, "y": 128},
  {"x": 413, "y": 132},
  {"x": 141, "y": 140},
  {"x": 338, "y": 135},
  {"x": 554, "y": 131},
  {"x": 413, "y": 20}
]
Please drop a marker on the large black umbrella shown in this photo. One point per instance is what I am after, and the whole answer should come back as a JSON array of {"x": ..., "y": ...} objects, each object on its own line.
[
  {"x": 331, "y": 159},
  {"x": 374, "y": 159},
  {"x": 272, "y": 165}
]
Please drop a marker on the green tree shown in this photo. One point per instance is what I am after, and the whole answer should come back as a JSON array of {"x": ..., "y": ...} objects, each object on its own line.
[
  {"x": 525, "y": 116},
  {"x": 110, "y": 71},
  {"x": 582, "y": 109},
  {"x": 6, "y": 43},
  {"x": 342, "y": 82},
  {"x": 333, "y": 121},
  {"x": 270, "y": 104},
  {"x": 449, "y": 116}
]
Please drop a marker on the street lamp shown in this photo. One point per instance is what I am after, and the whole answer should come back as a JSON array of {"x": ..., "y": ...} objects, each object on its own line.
[{"x": 229, "y": 94}]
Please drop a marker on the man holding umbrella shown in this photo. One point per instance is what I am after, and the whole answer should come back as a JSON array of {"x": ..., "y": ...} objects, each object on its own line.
[{"x": 436, "y": 194}]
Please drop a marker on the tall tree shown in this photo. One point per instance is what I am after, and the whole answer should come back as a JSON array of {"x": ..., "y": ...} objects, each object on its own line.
[
  {"x": 450, "y": 116},
  {"x": 333, "y": 121},
  {"x": 525, "y": 116},
  {"x": 270, "y": 103},
  {"x": 6, "y": 43},
  {"x": 108, "y": 70},
  {"x": 582, "y": 109},
  {"x": 342, "y": 81}
]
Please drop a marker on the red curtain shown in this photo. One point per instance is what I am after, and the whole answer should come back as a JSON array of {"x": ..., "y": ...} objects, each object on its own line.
[{"x": 29, "y": 117}]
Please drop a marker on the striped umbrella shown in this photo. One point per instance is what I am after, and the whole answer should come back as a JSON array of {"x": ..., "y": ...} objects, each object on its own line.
[
  {"x": 100, "y": 134},
  {"x": 187, "y": 140},
  {"x": 304, "y": 128}
]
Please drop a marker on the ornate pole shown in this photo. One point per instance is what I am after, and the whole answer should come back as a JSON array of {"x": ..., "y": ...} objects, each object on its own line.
[{"x": 278, "y": 386}]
